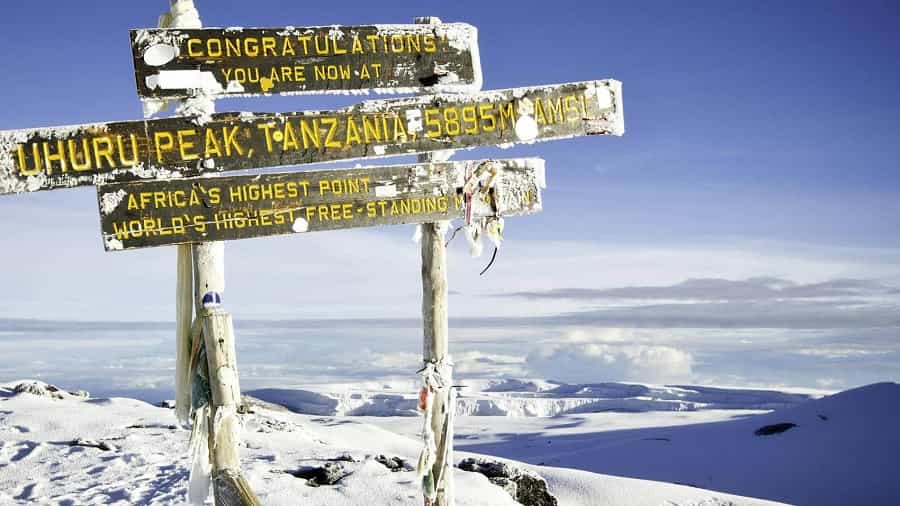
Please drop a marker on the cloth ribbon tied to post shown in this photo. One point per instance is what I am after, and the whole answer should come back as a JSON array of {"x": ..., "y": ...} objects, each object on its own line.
[
  {"x": 436, "y": 380},
  {"x": 480, "y": 191}
]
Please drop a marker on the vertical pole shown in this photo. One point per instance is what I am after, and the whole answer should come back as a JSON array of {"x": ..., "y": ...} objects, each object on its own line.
[
  {"x": 435, "y": 342},
  {"x": 230, "y": 488},
  {"x": 184, "y": 311},
  {"x": 434, "y": 319}
]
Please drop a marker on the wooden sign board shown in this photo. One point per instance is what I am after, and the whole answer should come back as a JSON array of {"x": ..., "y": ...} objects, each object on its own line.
[
  {"x": 42, "y": 159},
  {"x": 154, "y": 213},
  {"x": 177, "y": 63}
]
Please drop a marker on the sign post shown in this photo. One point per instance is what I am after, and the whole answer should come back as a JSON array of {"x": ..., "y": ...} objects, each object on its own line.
[
  {"x": 215, "y": 337},
  {"x": 62, "y": 157},
  {"x": 176, "y": 211},
  {"x": 150, "y": 193},
  {"x": 171, "y": 64},
  {"x": 437, "y": 371}
]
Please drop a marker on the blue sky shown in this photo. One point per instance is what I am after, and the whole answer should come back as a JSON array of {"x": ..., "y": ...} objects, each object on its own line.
[{"x": 760, "y": 151}]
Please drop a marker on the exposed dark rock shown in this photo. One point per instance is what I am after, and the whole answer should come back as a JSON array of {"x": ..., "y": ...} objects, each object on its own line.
[
  {"x": 167, "y": 426},
  {"x": 90, "y": 443},
  {"x": 526, "y": 487},
  {"x": 328, "y": 474},
  {"x": 169, "y": 404},
  {"x": 268, "y": 425},
  {"x": 395, "y": 464},
  {"x": 41, "y": 389},
  {"x": 47, "y": 390},
  {"x": 777, "y": 428}
]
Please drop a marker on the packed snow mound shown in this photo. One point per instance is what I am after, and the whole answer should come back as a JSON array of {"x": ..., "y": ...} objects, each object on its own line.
[
  {"x": 128, "y": 452},
  {"x": 838, "y": 450},
  {"x": 530, "y": 398}
]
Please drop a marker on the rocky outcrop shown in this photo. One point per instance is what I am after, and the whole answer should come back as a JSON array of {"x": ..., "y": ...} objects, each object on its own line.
[
  {"x": 525, "y": 486},
  {"x": 328, "y": 474},
  {"x": 47, "y": 390}
]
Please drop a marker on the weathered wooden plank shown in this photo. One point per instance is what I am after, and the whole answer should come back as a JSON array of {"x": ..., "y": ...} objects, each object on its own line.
[
  {"x": 41, "y": 159},
  {"x": 155, "y": 213},
  {"x": 176, "y": 63},
  {"x": 229, "y": 486}
]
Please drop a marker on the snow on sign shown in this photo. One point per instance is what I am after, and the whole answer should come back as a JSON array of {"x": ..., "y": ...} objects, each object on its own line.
[
  {"x": 47, "y": 158},
  {"x": 154, "y": 213},
  {"x": 177, "y": 63}
]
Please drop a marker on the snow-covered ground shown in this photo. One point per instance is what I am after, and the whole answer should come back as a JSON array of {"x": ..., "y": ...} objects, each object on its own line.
[{"x": 843, "y": 450}]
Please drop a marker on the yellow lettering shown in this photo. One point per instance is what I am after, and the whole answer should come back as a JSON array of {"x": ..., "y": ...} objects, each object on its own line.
[
  {"x": 352, "y": 132},
  {"x": 287, "y": 48},
  {"x": 486, "y": 113},
  {"x": 230, "y": 134},
  {"x": 399, "y": 129},
  {"x": 429, "y": 42},
  {"x": 310, "y": 133},
  {"x": 305, "y": 40},
  {"x": 268, "y": 44},
  {"x": 555, "y": 111},
  {"x": 23, "y": 166},
  {"x": 371, "y": 129},
  {"x": 80, "y": 161},
  {"x": 127, "y": 162},
  {"x": 192, "y": 45},
  {"x": 251, "y": 47},
  {"x": 163, "y": 141},
  {"x": 507, "y": 113},
  {"x": 332, "y": 130},
  {"x": 233, "y": 47},
  {"x": 104, "y": 152},
  {"x": 337, "y": 49},
  {"x": 184, "y": 144},
  {"x": 570, "y": 103},
  {"x": 290, "y": 137},
  {"x": 59, "y": 156},
  {"x": 469, "y": 119},
  {"x": 451, "y": 121},
  {"x": 211, "y": 146},
  {"x": 433, "y": 122},
  {"x": 214, "y": 48},
  {"x": 539, "y": 112}
]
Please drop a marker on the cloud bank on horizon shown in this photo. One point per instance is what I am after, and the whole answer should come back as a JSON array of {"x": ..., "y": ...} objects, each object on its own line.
[{"x": 578, "y": 311}]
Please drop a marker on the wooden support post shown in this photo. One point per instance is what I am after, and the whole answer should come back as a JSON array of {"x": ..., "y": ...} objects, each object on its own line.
[
  {"x": 230, "y": 488},
  {"x": 434, "y": 319},
  {"x": 435, "y": 333},
  {"x": 184, "y": 311},
  {"x": 207, "y": 260}
]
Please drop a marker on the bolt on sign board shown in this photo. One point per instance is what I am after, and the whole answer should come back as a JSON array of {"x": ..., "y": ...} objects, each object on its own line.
[
  {"x": 47, "y": 158},
  {"x": 179, "y": 63},
  {"x": 154, "y": 213}
]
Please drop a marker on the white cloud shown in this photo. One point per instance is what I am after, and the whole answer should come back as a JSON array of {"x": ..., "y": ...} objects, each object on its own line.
[
  {"x": 478, "y": 364},
  {"x": 835, "y": 353},
  {"x": 593, "y": 362}
]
